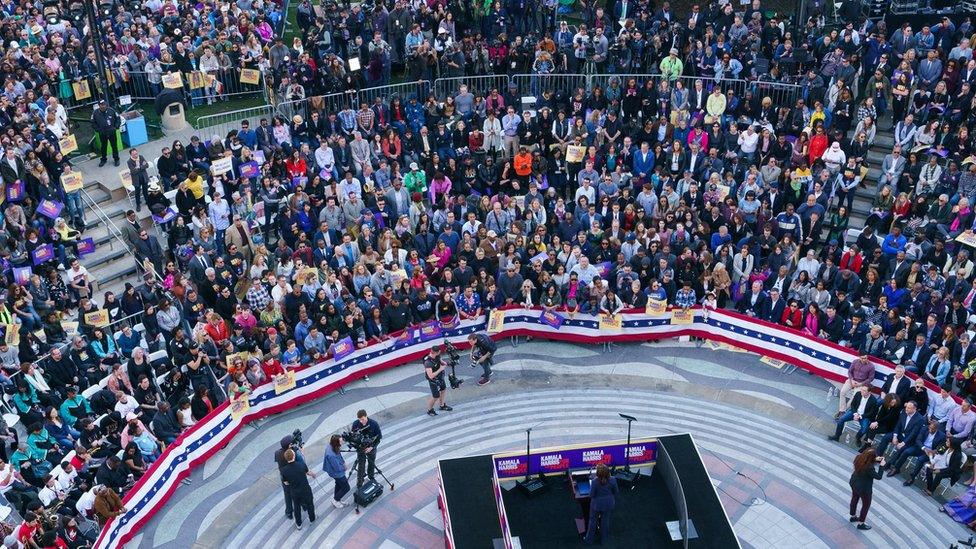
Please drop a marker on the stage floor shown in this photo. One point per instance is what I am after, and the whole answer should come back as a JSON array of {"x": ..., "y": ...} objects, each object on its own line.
[{"x": 547, "y": 520}]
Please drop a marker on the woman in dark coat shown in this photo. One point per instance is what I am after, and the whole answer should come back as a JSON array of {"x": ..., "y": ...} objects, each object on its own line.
[
  {"x": 603, "y": 498},
  {"x": 862, "y": 484},
  {"x": 886, "y": 419}
]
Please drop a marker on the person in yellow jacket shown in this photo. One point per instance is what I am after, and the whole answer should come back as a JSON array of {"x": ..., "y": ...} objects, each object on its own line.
[
  {"x": 194, "y": 182},
  {"x": 715, "y": 105},
  {"x": 671, "y": 66}
]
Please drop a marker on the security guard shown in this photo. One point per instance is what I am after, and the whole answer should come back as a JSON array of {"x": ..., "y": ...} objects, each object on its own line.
[
  {"x": 434, "y": 374},
  {"x": 295, "y": 475},
  {"x": 106, "y": 122}
]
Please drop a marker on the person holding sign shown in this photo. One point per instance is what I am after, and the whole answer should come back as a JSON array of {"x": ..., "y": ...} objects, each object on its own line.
[{"x": 106, "y": 122}]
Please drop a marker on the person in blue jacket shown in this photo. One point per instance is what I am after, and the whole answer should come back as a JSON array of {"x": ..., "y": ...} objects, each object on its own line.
[
  {"x": 335, "y": 467},
  {"x": 603, "y": 498}
]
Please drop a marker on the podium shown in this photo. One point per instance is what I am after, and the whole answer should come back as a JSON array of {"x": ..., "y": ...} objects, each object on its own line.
[{"x": 579, "y": 482}]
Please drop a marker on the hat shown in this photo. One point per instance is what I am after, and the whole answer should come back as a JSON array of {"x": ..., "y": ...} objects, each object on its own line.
[
  {"x": 154, "y": 187},
  {"x": 14, "y": 45},
  {"x": 131, "y": 416},
  {"x": 413, "y": 166},
  {"x": 833, "y": 242},
  {"x": 492, "y": 234},
  {"x": 272, "y": 331},
  {"x": 416, "y": 196},
  {"x": 674, "y": 51}
]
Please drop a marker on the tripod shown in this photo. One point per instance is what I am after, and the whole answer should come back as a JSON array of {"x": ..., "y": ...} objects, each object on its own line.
[{"x": 361, "y": 462}]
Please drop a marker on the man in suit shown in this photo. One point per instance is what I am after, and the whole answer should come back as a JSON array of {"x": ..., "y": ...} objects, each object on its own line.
[
  {"x": 12, "y": 167},
  {"x": 781, "y": 281},
  {"x": 772, "y": 309},
  {"x": 239, "y": 235},
  {"x": 933, "y": 438},
  {"x": 863, "y": 408},
  {"x": 902, "y": 40},
  {"x": 916, "y": 353},
  {"x": 752, "y": 301},
  {"x": 199, "y": 265},
  {"x": 899, "y": 268},
  {"x": 897, "y": 383},
  {"x": 833, "y": 328},
  {"x": 908, "y": 432}
]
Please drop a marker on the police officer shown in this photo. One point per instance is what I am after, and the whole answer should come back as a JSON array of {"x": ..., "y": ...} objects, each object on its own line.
[
  {"x": 482, "y": 351},
  {"x": 295, "y": 475},
  {"x": 434, "y": 374},
  {"x": 369, "y": 429},
  {"x": 106, "y": 122}
]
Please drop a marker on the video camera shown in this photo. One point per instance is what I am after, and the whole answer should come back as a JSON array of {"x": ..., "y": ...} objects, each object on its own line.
[
  {"x": 453, "y": 358},
  {"x": 358, "y": 440},
  {"x": 297, "y": 442}
]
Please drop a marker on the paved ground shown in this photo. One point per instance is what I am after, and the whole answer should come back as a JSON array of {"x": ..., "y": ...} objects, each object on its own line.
[{"x": 747, "y": 418}]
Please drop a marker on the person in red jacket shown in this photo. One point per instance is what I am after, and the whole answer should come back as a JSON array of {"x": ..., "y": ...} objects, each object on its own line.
[
  {"x": 852, "y": 259},
  {"x": 792, "y": 316},
  {"x": 523, "y": 165},
  {"x": 272, "y": 367},
  {"x": 818, "y": 144},
  {"x": 217, "y": 329}
]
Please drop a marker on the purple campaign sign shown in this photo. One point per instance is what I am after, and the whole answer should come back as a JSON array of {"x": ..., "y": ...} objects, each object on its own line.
[
  {"x": 343, "y": 348},
  {"x": 86, "y": 246},
  {"x": 42, "y": 254},
  {"x": 558, "y": 460},
  {"x": 50, "y": 208},
  {"x": 552, "y": 318},
  {"x": 430, "y": 330}
]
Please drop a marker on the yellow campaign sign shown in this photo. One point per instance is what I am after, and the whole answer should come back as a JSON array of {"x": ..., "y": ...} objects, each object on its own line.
[
  {"x": 967, "y": 237},
  {"x": 284, "y": 382},
  {"x": 81, "y": 90},
  {"x": 125, "y": 176},
  {"x": 656, "y": 307},
  {"x": 239, "y": 407},
  {"x": 173, "y": 80},
  {"x": 575, "y": 153},
  {"x": 611, "y": 322},
  {"x": 197, "y": 80},
  {"x": 682, "y": 316},
  {"x": 11, "y": 335},
  {"x": 250, "y": 76},
  {"x": 97, "y": 319},
  {"x": 496, "y": 321},
  {"x": 68, "y": 144},
  {"x": 72, "y": 181}
]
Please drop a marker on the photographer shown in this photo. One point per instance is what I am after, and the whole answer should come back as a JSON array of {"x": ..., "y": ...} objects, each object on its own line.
[
  {"x": 369, "y": 432},
  {"x": 434, "y": 373},
  {"x": 482, "y": 351}
]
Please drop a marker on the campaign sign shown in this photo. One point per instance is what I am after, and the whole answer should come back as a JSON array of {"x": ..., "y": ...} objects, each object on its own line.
[
  {"x": 86, "y": 246},
  {"x": 42, "y": 254},
  {"x": 403, "y": 339},
  {"x": 15, "y": 191},
  {"x": 343, "y": 348},
  {"x": 50, "y": 208},
  {"x": 552, "y": 318},
  {"x": 558, "y": 460},
  {"x": 604, "y": 269},
  {"x": 430, "y": 330},
  {"x": 22, "y": 275},
  {"x": 250, "y": 169}
]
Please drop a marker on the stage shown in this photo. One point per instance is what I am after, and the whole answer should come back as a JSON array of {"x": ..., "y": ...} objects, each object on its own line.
[{"x": 482, "y": 506}]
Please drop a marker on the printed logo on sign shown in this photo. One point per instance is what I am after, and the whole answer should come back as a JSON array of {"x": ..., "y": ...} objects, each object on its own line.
[
  {"x": 513, "y": 465},
  {"x": 554, "y": 462},
  {"x": 640, "y": 453},
  {"x": 593, "y": 456}
]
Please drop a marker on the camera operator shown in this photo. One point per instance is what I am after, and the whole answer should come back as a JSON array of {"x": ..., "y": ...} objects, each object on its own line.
[
  {"x": 368, "y": 429},
  {"x": 482, "y": 351},
  {"x": 279, "y": 457},
  {"x": 434, "y": 369}
]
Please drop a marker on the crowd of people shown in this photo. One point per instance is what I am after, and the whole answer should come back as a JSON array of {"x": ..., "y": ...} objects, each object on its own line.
[{"x": 287, "y": 237}]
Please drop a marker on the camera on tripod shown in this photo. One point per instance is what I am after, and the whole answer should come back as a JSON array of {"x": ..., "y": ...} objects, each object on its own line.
[
  {"x": 297, "y": 442},
  {"x": 453, "y": 358},
  {"x": 358, "y": 440}
]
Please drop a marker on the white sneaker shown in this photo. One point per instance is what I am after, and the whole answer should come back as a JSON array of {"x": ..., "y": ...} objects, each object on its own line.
[{"x": 339, "y": 504}]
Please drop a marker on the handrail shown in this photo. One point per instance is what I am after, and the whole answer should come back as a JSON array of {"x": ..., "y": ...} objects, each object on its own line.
[{"x": 115, "y": 232}]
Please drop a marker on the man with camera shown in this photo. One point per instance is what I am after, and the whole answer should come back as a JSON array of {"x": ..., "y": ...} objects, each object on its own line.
[
  {"x": 434, "y": 369},
  {"x": 287, "y": 443},
  {"x": 482, "y": 351},
  {"x": 368, "y": 433}
]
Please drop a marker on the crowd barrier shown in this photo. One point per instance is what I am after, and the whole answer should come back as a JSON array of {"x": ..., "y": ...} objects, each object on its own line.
[{"x": 208, "y": 436}]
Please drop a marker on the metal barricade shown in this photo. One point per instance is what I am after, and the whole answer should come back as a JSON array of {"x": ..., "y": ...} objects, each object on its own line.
[
  {"x": 535, "y": 84},
  {"x": 80, "y": 92},
  {"x": 323, "y": 104},
  {"x": 138, "y": 85},
  {"x": 404, "y": 91},
  {"x": 782, "y": 94},
  {"x": 476, "y": 84},
  {"x": 221, "y": 123}
]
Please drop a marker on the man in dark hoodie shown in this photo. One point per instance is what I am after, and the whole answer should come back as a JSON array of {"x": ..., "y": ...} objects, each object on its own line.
[
  {"x": 279, "y": 458},
  {"x": 165, "y": 425}
]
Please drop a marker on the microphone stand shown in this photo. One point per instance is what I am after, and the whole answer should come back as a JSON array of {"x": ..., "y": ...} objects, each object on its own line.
[
  {"x": 531, "y": 486},
  {"x": 627, "y": 475}
]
